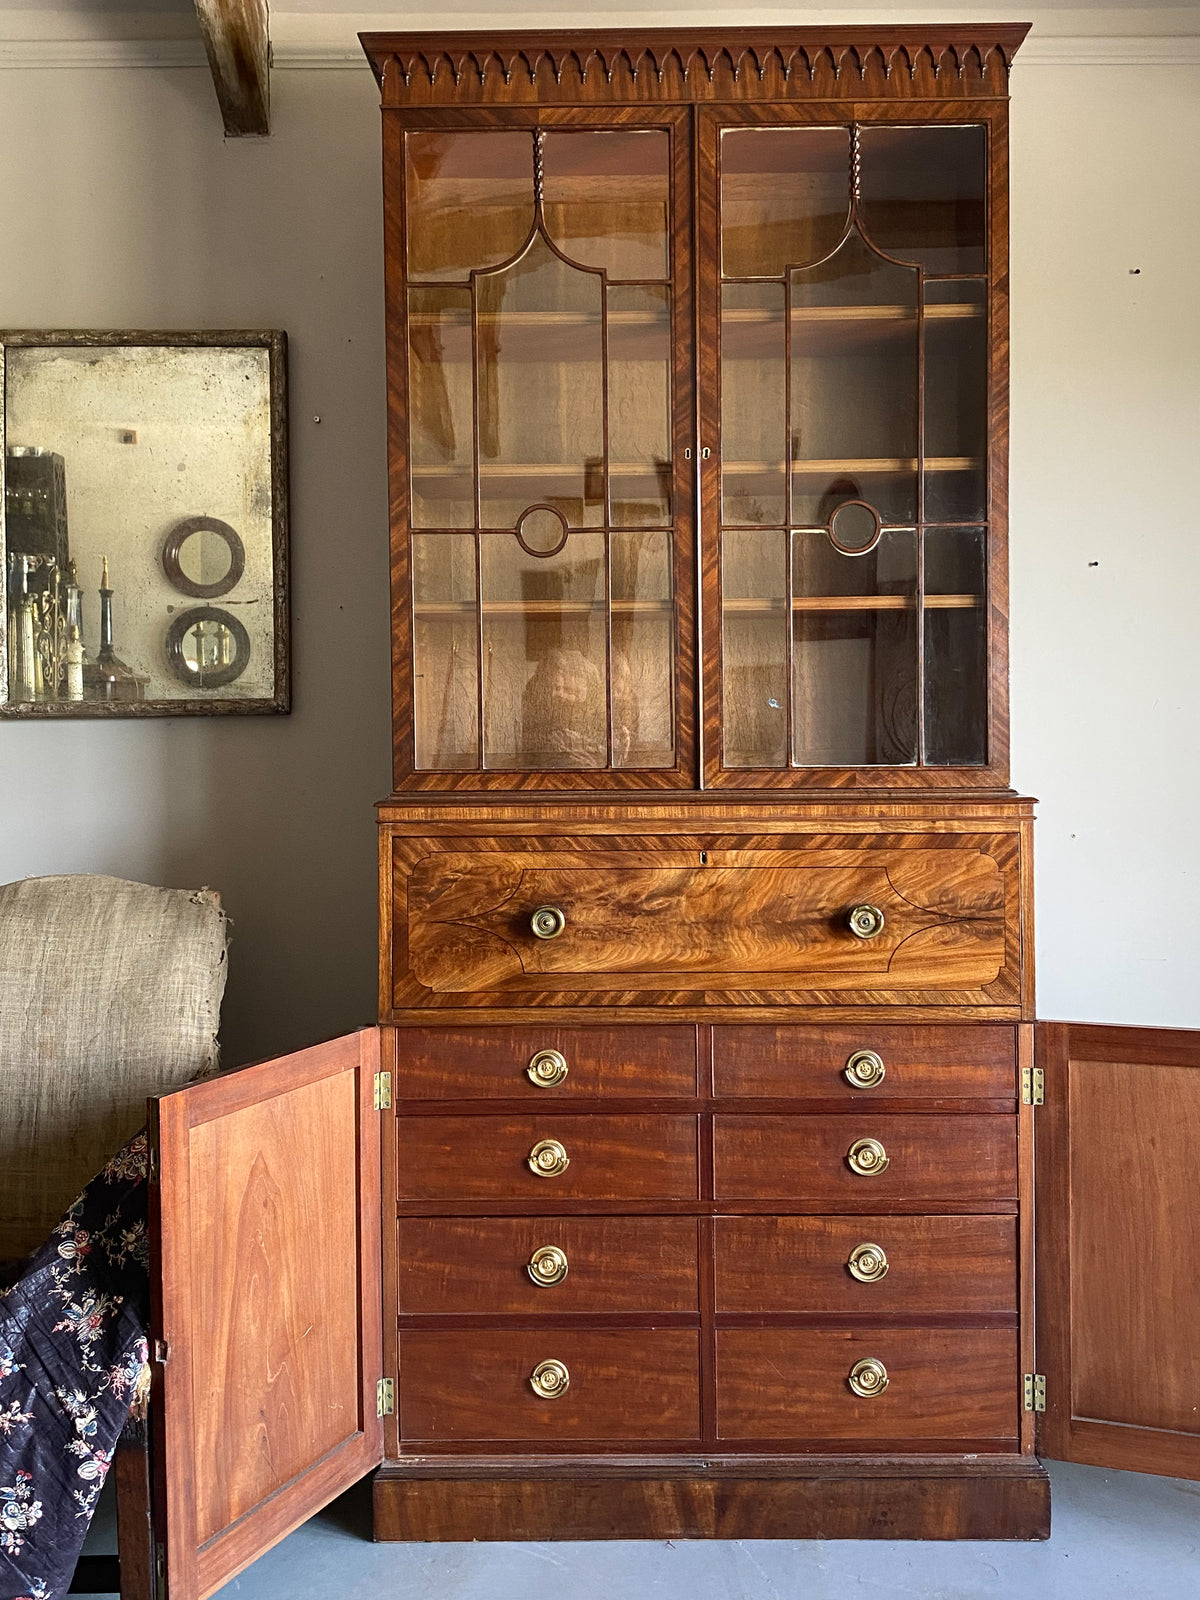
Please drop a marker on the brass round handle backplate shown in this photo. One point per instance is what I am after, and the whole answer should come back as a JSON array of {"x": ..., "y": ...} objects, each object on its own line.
[
  {"x": 547, "y": 1068},
  {"x": 864, "y": 1070},
  {"x": 868, "y": 1263},
  {"x": 547, "y": 922},
  {"x": 547, "y": 1265},
  {"x": 548, "y": 1158},
  {"x": 867, "y": 1157},
  {"x": 868, "y": 1378},
  {"x": 550, "y": 1379},
  {"x": 865, "y": 922}
]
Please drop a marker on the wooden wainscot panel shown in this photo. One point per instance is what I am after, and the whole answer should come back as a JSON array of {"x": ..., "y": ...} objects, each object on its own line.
[
  {"x": 488, "y": 1158},
  {"x": 865, "y": 1160},
  {"x": 904, "y": 1264},
  {"x": 626, "y": 1384},
  {"x": 795, "y": 1383},
  {"x": 516, "y": 1063},
  {"x": 501, "y": 1266}
]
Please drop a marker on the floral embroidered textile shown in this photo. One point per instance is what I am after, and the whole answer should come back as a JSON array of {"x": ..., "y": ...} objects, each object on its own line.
[{"x": 72, "y": 1350}]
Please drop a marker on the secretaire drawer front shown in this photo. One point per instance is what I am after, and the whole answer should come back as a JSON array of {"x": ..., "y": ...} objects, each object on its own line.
[
  {"x": 879, "y": 1385},
  {"x": 547, "y": 1266},
  {"x": 866, "y": 1160},
  {"x": 557, "y": 1385},
  {"x": 857, "y": 1064},
  {"x": 923, "y": 919},
  {"x": 542, "y": 1064},
  {"x": 866, "y": 1264},
  {"x": 546, "y": 1158}
]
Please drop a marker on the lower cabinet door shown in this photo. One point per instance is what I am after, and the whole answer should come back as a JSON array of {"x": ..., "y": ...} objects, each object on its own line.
[
  {"x": 908, "y": 1387},
  {"x": 560, "y": 1386}
]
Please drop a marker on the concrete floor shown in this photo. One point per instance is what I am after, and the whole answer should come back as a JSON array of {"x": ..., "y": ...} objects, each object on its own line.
[{"x": 1117, "y": 1536}]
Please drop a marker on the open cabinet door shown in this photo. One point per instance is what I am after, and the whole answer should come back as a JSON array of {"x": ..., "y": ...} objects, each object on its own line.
[
  {"x": 1118, "y": 1247},
  {"x": 266, "y": 1317}
]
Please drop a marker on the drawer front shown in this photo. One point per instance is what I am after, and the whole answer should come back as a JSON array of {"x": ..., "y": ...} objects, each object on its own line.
[
  {"x": 628, "y": 1384},
  {"x": 544, "y": 1063},
  {"x": 794, "y": 1383},
  {"x": 953, "y": 1158},
  {"x": 658, "y": 924},
  {"x": 488, "y": 1158},
  {"x": 855, "y": 1065},
  {"x": 547, "y": 1266},
  {"x": 866, "y": 1264}
]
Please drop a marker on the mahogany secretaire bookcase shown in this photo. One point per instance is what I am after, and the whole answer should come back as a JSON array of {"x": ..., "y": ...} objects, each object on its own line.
[{"x": 687, "y": 1186}]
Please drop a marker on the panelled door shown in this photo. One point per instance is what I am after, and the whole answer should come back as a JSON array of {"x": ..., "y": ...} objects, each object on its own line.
[
  {"x": 266, "y": 1319},
  {"x": 1118, "y": 1247}
]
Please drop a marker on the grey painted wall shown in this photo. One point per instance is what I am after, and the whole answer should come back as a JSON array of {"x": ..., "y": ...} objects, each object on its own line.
[{"x": 124, "y": 207}]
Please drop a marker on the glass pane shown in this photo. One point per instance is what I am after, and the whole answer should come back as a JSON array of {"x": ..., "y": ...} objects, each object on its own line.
[
  {"x": 854, "y": 386},
  {"x": 753, "y": 404},
  {"x": 545, "y": 654},
  {"x": 469, "y": 200},
  {"x": 445, "y": 652},
  {"x": 440, "y": 443},
  {"x": 854, "y": 652},
  {"x": 956, "y": 647},
  {"x": 956, "y": 386},
  {"x": 643, "y": 623},
  {"x": 754, "y": 641},
  {"x": 541, "y": 390},
  {"x": 923, "y": 194},
  {"x": 639, "y": 407},
  {"x": 785, "y": 197},
  {"x": 606, "y": 200}
]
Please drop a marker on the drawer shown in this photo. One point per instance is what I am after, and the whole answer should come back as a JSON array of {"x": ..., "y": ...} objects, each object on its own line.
[
  {"x": 770, "y": 920},
  {"x": 521, "y": 1064},
  {"x": 975, "y": 1061},
  {"x": 943, "y": 1385},
  {"x": 482, "y": 1266},
  {"x": 955, "y": 1157},
  {"x": 488, "y": 1158},
  {"x": 628, "y": 1384},
  {"x": 929, "y": 1264}
]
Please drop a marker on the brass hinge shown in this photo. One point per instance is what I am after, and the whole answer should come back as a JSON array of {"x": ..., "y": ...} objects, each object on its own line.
[
  {"x": 385, "y": 1397},
  {"x": 383, "y": 1091},
  {"x": 1035, "y": 1391},
  {"x": 1033, "y": 1086}
]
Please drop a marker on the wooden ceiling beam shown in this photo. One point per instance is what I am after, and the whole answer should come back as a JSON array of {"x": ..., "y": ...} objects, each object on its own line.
[{"x": 237, "y": 39}]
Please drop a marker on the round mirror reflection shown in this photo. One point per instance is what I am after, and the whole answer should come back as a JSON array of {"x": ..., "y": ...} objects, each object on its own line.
[
  {"x": 542, "y": 530},
  {"x": 203, "y": 557},
  {"x": 207, "y": 648},
  {"x": 854, "y": 528}
]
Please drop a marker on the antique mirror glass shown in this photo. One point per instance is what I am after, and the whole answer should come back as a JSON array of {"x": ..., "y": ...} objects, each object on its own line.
[{"x": 144, "y": 524}]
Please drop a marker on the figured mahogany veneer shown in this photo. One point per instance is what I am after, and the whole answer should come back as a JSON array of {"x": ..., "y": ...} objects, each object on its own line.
[
  {"x": 805, "y": 1158},
  {"x": 482, "y": 1063},
  {"x": 625, "y": 1384},
  {"x": 957, "y": 1265},
  {"x": 791, "y": 1384},
  {"x": 477, "y": 1266},
  {"x": 611, "y": 1158}
]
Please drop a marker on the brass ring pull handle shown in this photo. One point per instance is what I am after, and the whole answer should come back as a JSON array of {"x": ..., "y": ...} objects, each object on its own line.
[
  {"x": 547, "y": 922},
  {"x": 868, "y": 1378},
  {"x": 864, "y": 1070},
  {"x": 547, "y": 1265},
  {"x": 547, "y": 1068},
  {"x": 550, "y": 1380},
  {"x": 868, "y": 1263},
  {"x": 548, "y": 1159},
  {"x": 867, "y": 1157},
  {"x": 865, "y": 922}
]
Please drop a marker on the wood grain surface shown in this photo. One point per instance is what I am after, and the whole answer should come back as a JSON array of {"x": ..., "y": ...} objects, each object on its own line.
[
  {"x": 489, "y": 1062},
  {"x": 920, "y": 1063}
]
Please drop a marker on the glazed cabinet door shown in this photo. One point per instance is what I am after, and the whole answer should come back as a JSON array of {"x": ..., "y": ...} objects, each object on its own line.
[
  {"x": 1118, "y": 1247},
  {"x": 539, "y": 325},
  {"x": 266, "y": 1316},
  {"x": 852, "y": 310}
]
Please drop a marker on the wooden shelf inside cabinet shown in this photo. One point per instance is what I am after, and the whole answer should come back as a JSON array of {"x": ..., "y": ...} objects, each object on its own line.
[
  {"x": 854, "y": 602},
  {"x": 539, "y": 469},
  {"x": 541, "y": 608},
  {"x": 814, "y": 467},
  {"x": 544, "y": 319}
]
